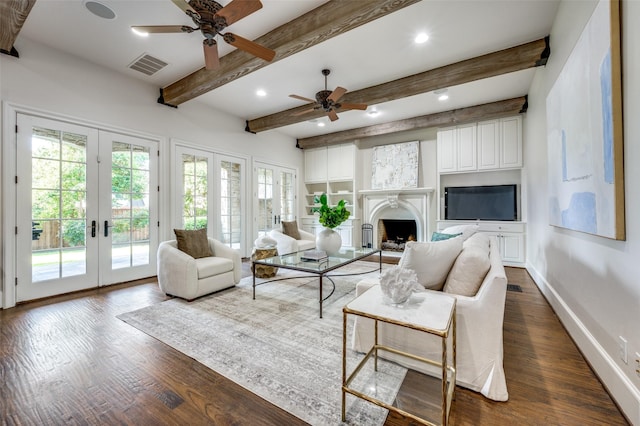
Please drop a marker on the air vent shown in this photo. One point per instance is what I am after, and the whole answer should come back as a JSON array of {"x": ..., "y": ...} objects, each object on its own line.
[{"x": 147, "y": 64}]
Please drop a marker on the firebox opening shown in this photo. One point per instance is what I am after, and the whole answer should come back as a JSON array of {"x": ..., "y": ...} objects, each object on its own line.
[{"x": 393, "y": 234}]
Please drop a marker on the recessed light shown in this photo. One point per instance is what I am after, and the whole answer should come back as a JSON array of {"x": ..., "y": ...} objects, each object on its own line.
[
  {"x": 443, "y": 97},
  {"x": 261, "y": 93},
  {"x": 321, "y": 124},
  {"x": 99, "y": 9},
  {"x": 139, "y": 33},
  {"x": 421, "y": 38},
  {"x": 373, "y": 113}
]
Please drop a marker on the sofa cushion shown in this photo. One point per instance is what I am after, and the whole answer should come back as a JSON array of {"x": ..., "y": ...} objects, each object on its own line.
[
  {"x": 291, "y": 229},
  {"x": 193, "y": 242},
  {"x": 468, "y": 271},
  {"x": 466, "y": 230},
  {"x": 478, "y": 240},
  {"x": 431, "y": 260},
  {"x": 439, "y": 236},
  {"x": 210, "y": 266}
]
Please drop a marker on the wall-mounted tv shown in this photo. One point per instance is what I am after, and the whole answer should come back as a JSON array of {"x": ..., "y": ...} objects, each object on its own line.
[{"x": 493, "y": 202}]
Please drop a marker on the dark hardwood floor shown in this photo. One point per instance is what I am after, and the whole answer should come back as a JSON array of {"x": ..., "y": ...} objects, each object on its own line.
[{"x": 69, "y": 360}]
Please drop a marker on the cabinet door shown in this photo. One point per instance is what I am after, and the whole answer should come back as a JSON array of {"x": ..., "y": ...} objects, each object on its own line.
[
  {"x": 489, "y": 145},
  {"x": 447, "y": 161},
  {"x": 511, "y": 247},
  {"x": 346, "y": 233},
  {"x": 315, "y": 165},
  {"x": 340, "y": 162},
  {"x": 466, "y": 144},
  {"x": 511, "y": 146}
]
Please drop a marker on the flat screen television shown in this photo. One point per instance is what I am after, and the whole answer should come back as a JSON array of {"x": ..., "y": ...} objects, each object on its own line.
[{"x": 493, "y": 202}]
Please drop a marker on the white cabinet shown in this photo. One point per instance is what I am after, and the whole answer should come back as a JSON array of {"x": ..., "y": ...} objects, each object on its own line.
[
  {"x": 487, "y": 145},
  {"x": 347, "y": 230},
  {"x": 456, "y": 150},
  {"x": 447, "y": 150},
  {"x": 340, "y": 162},
  {"x": 315, "y": 165},
  {"x": 510, "y": 237},
  {"x": 511, "y": 142},
  {"x": 466, "y": 145}
]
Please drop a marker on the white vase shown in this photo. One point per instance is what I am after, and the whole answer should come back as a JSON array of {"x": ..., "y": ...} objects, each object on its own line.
[{"x": 329, "y": 241}]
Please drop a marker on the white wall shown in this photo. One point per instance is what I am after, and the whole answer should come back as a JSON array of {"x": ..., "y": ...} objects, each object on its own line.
[
  {"x": 591, "y": 282},
  {"x": 52, "y": 81}
]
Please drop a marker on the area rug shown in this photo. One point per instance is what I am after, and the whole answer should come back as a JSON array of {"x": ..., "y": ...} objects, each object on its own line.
[{"x": 276, "y": 346}]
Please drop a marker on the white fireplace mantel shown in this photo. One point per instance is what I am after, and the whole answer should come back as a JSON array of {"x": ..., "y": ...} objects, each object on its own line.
[{"x": 398, "y": 203}]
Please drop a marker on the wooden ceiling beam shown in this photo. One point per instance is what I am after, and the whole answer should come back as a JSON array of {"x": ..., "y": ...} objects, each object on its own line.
[
  {"x": 516, "y": 58},
  {"x": 13, "y": 13},
  {"x": 504, "y": 108},
  {"x": 322, "y": 23}
]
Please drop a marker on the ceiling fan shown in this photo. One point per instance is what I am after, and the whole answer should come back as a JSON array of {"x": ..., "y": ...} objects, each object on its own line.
[
  {"x": 328, "y": 100},
  {"x": 211, "y": 19}
]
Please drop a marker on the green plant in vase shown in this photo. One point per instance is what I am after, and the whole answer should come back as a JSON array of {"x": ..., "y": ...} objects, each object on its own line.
[{"x": 330, "y": 217}]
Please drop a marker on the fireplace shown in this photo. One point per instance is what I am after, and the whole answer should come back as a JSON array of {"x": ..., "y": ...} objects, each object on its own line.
[
  {"x": 388, "y": 209},
  {"x": 393, "y": 234}
]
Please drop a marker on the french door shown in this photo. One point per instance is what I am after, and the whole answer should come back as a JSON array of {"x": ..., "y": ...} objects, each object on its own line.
[
  {"x": 211, "y": 195},
  {"x": 89, "y": 198},
  {"x": 274, "y": 195}
]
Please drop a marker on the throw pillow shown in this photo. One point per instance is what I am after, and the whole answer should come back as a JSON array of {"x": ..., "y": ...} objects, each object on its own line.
[
  {"x": 479, "y": 240},
  {"x": 440, "y": 236},
  {"x": 467, "y": 230},
  {"x": 431, "y": 260},
  {"x": 468, "y": 272},
  {"x": 195, "y": 243},
  {"x": 291, "y": 229}
]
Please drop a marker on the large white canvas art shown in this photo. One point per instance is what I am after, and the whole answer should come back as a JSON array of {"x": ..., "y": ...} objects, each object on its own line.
[
  {"x": 584, "y": 133},
  {"x": 395, "y": 166}
]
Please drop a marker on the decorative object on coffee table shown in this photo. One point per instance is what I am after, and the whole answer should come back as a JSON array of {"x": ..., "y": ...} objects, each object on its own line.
[
  {"x": 329, "y": 217},
  {"x": 264, "y": 271}
]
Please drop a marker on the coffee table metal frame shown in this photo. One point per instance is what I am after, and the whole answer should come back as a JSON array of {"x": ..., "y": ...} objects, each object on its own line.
[
  {"x": 321, "y": 269},
  {"x": 368, "y": 307}
]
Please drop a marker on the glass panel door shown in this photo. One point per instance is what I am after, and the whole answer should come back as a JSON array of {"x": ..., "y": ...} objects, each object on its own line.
[
  {"x": 232, "y": 199},
  {"x": 56, "y": 212},
  {"x": 129, "y": 208},
  {"x": 275, "y": 197}
]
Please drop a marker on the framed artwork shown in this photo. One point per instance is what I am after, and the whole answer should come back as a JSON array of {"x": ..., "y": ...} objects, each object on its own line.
[
  {"x": 584, "y": 131},
  {"x": 395, "y": 166}
]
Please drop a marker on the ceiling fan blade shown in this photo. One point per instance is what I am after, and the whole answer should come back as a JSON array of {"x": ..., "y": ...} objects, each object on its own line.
[
  {"x": 337, "y": 94},
  {"x": 302, "y": 98},
  {"x": 238, "y": 9},
  {"x": 332, "y": 115},
  {"x": 306, "y": 111},
  {"x": 155, "y": 29},
  {"x": 353, "y": 106},
  {"x": 186, "y": 8},
  {"x": 249, "y": 46},
  {"x": 211, "y": 58}
]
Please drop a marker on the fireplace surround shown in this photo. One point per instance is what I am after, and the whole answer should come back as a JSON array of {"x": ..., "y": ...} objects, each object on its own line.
[{"x": 411, "y": 204}]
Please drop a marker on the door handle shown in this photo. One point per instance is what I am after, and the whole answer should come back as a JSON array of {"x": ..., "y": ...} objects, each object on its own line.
[
  {"x": 93, "y": 229},
  {"x": 106, "y": 228}
]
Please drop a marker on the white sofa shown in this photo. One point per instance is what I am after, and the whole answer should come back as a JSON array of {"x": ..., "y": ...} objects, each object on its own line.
[
  {"x": 183, "y": 276},
  {"x": 479, "y": 334},
  {"x": 287, "y": 244}
]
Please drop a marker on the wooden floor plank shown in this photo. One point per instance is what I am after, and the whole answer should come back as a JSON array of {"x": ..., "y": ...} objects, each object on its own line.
[{"x": 69, "y": 360}]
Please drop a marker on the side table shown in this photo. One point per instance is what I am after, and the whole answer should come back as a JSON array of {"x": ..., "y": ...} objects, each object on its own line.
[
  {"x": 264, "y": 271},
  {"x": 432, "y": 313}
]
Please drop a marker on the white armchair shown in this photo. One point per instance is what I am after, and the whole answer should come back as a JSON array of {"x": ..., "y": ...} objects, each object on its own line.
[
  {"x": 183, "y": 276},
  {"x": 287, "y": 244}
]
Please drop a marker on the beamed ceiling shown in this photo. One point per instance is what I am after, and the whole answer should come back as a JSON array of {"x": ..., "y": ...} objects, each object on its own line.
[{"x": 481, "y": 52}]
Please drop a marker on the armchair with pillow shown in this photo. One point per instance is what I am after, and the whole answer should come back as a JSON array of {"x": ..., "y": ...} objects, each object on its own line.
[
  {"x": 193, "y": 265},
  {"x": 470, "y": 270},
  {"x": 291, "y": 239}
]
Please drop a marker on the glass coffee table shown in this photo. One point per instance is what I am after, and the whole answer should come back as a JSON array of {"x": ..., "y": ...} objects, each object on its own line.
[{"x": 320, "y": 268}]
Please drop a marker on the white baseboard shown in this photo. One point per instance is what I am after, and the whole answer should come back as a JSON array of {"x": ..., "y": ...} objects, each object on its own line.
[{"x": 620, "y": 387}]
